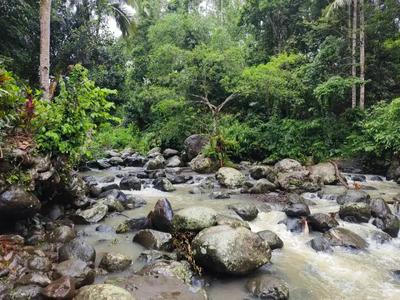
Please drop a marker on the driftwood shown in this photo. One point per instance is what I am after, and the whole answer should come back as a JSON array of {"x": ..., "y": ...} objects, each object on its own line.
[{"x": 337, "y": 173}]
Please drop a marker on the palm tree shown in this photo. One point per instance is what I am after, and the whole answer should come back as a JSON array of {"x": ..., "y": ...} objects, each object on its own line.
[
  {"x": 337, "y": 4},
  {"x": 125, "y": 13},
  {"x": 45, "y": 8}
]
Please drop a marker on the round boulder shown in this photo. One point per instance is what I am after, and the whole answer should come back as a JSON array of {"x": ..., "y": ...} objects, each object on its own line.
[
  {"x": 194, "y": 218},
  {"x": 62, "y": 288},
  {"x": 77, "y": 269},
  {"x": 319, "y": 244},
  {"x": 321, "y": 222},
  {"x": 163, "y": 184},
  {"x": 389, "y": 224},
  {"x": 115, "y": 262},
  {"x": 152, "y": 239},
  {"x": 355, "y": 212},
  {"x": 193, "y": 145},
  {"x": 246, "y": 211},
  {"x": 18, "y": 204},
  {"x": 353, "y": 196},
  {"x": 91, "y": 215},
  {"x": 224, "y": 249},
  {"x": 230, "y": 177},
  {"x": 130, "y": 183},
  {"x": 62, "y": 234},
  {"x": 379, "y": 208},
  {"x": 297, "y": 210},
  {"x": 103, "y": 292},
  {"x": 78, "y": 249},
  {"x": 271, "y": 238},
  {"x": 288, "y": 165}
]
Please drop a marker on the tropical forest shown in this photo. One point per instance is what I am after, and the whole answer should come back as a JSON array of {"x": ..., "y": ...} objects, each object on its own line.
[{"x": 199, "y": 149}]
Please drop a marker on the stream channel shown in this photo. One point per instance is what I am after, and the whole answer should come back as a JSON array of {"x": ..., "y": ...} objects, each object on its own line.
[{"x": 343, "y": 274}]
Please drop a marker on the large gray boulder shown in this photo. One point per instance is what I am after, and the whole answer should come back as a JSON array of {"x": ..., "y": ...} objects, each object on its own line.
[
  {"x": 246, "y": 211},
  {"x": 18, "y": 204},
  {"x": 288, "y": 165},
  {"x": 325, "y": 171},
  {"x": 78, "y": 249},
  {"x": 112, "y": 203},
  {"x": 319, "y": 244},
  {"x": 173, "y": 162},
  {"x": 155, "y": 163},
  {"x": 262, "y": 186},
  {"x": 91, "y": 215},
  {"x": 194, "y": 218},
  {"x": 231, "y": 221},
  {"x": 355, "y": 212},
  {"x": 224, "y": 249},
  {"x": 193, "y": 145},
  {"x": 379, "y": 208},
  {"x": 389, "y": 224},
  {"x": 272, "y": 239},
  {"x": 77, "y": 269},
  {"x": 354, "y": 196},
  {"x": 203, "y": 165},
  {"x": 134, "y": 225},
  {"x": 62, "y": 234},
  {"x": 343, "y": 237},
  {"x": 168, "y": 153},
  {"x": 269, "y": 287},
  {"x": 103, "y": 292},
  {"x": 297, "y": 210},
  {"x": 321, "y": 222},
  {"x": 299, "y": 180},
  {"x": 259, "y": 172},
  {"x": 163, "y": 184},
  {"x": 230, "y": 177},
  {"x": 130, "y": 183},
  {"x": 161, "y": 215}
]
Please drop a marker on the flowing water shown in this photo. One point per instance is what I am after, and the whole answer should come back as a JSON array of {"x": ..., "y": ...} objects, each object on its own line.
[{"x": 343, "y": 274}]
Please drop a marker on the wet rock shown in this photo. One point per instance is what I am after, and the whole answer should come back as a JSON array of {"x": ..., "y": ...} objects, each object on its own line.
[
  {"x": 224, "y": 249},
  {"x": 136, "y": 201},
  {"x": 91, "y": 215},
  {"x": 104, "y": 228},
  {"x": 196, "y": 191},
  {"x": 297, "y": 210},
  {"x": 109, "y": 186},
  {"x": 207, "y": 183},
  {"x": 116, "y": 194},
  {"x": 174, "y": 162},
  {"x": 380, "y": 237},
  {"x": 321, "y": 222},
  {"x": 193, "y": 145},
  {"x": 161, "y": 215},
  {"x": 78, "y": 249},
  {"x": 60, "y": 289},
  {"x": 160, "y": 287},
  {"x": 354, "y": 196},
  {"x": 103, "y": 164},
  {"x": 343, "y": 237},
  {"x": 54, "y": 212},
  {"x": 376, "y": 178},
  {"x": 259, "y": 172},
  {"x": 31, "y": 292},
  {"x": 325, "y": 171},
  {"x": 115, "y": 262},
  {"x": 142, "y": 175},
  {"x": 130, "y": 183},
  {"x": 18, "y": 204},
  {"x": 299, "y": 180},
  {"x": 194, "y": 218},
  {"x": 230, "y": 178},
  {"x": 154, "y": 255},
  {"x": 355, "y": 212},
  {"x": 231, "y": 221},
  {"x": 262, "y": 186},
  {"x": 95, "y": 191},
  {"x": 77, "y": 269},
  {"x": 112, "y": 203},
  {"x": 246, "y": 211},
  {"x": 268, "y": 287},
  {"x": 288, "y": 165},
  {"x": 389, "y": 224},
  {"x": 292, "y": 224},
  {"x": 115, "y": 161},
  {"x": 34, "y": 278},
  {"x": 168, "y": 153},
  {"x": 163, "y": 184},
  {"x": 359, "y": 178},
  {"x": 107, "y": 179},
  {"x": 379, "y": 208},
  {"x": 319, "y": 244},
  {"x": 135, "y": 161},
  {"x": 134, "y": 225},
  {"x": 39, "y": 264},
  {"x": 168, "y": 268},
  {"x": 152, "y": 239},
  {"x": 176, "y": 179},
  {"x": 155, "y": 163},
  {"x": 103, "y": 292},
  {"x": 271, "y": 238},
  {"x": 112, "y": 153},
  {"x": 203, "y": 165},
  {"x": 173, "y": 171},
  {"x": 62, "y": 234},
  {"x": 219, "y": 195}
]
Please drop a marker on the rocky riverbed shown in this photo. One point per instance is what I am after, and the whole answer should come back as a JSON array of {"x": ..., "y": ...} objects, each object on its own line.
[{"x": 147, "y": 226}]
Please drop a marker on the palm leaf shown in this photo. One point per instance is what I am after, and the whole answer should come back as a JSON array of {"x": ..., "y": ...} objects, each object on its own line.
[{"x": 337, "y": 4}]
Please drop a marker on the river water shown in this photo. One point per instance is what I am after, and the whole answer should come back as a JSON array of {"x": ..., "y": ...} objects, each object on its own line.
[{"x": 343, "y": 274}]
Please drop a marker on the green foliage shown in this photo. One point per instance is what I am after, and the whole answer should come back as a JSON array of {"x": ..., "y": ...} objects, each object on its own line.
[{"x": 64, "y": 125}]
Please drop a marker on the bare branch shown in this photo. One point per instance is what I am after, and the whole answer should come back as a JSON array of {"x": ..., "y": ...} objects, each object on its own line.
[
  {"x": 231, "y": 97},
  {"x": 205, "y": 101}
]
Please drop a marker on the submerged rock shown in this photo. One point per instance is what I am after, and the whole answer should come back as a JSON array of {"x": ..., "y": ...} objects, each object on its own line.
[
  {"x": 219, "y": 195},
  {"x": 246, "y": 211},
  {"x": 230, "y": 177},
  {"x": 103, "y": 292},
  {"x": 268, "y": 287},
  {"x": 196, "y": 191},
  {"x": 319, "y": 244},
  {"x": 224, "y": 249},
  {"x": 194, "y": 218},
  {"x": 271, "y": 238},
  {"x": 343, "y": 237},
  {"x": 292, "y": 224}
]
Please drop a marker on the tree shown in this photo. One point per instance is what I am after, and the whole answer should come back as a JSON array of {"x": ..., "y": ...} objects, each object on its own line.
[
  {"x": 362, "y": 53},
  {"x": 45, "y": 10}
]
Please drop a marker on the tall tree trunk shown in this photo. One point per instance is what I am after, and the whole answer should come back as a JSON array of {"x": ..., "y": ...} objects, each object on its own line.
[
  {"x": 45, "y": 8},
  {"x": 362, "y": 54},
  {"x": 353, "y": 54},
  {"x": 215, "y": 122}
]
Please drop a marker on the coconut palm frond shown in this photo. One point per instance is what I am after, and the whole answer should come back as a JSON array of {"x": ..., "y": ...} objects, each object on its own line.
[
  {"x": 125, "y": 19},
  {"x": 335, "y": 5}
]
